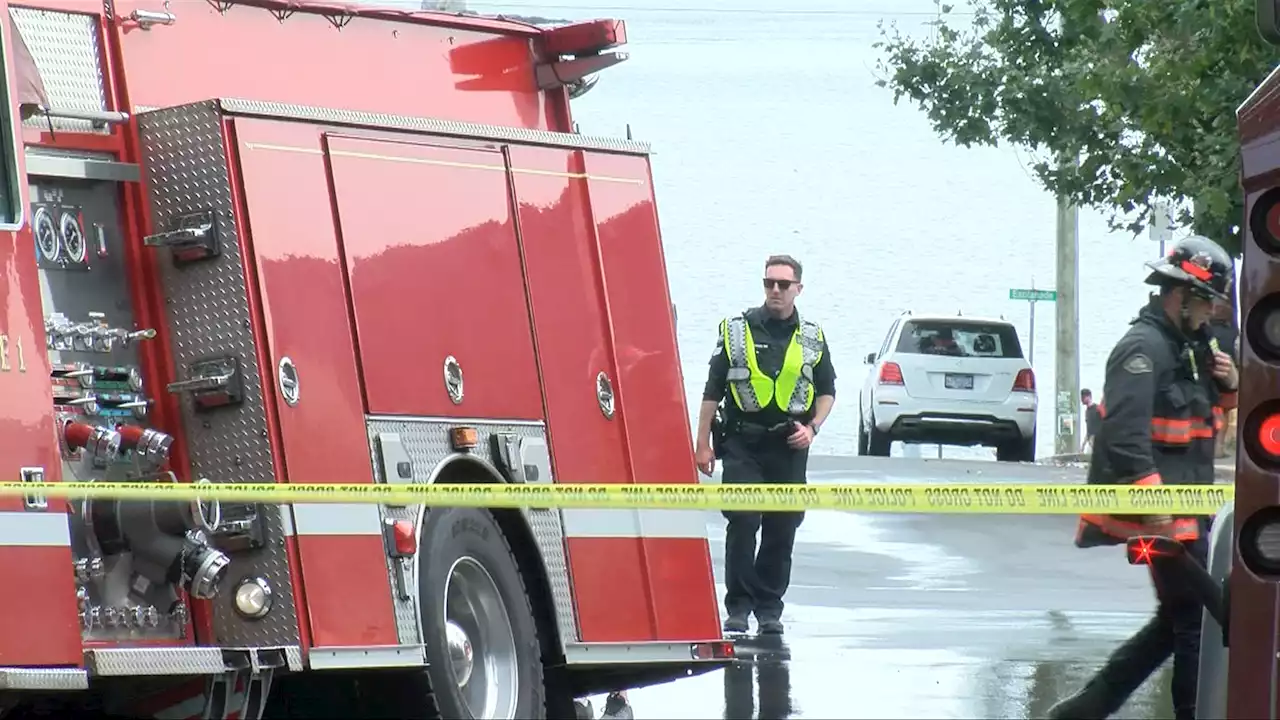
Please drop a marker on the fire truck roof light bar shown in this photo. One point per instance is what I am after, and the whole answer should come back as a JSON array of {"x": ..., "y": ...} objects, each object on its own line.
[{"x": 585, "y": 38}]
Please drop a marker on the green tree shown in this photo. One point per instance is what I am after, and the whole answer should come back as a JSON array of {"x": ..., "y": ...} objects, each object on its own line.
[{"x": 1143, "y": 92}]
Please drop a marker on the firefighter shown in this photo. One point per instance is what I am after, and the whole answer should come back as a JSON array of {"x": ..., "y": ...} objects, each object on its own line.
[
  {"x": 1165, "y": 390},
  {"x": 776, "y": 371}
]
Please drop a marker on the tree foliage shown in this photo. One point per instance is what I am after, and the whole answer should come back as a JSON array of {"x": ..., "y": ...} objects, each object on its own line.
[{"x": 1143, "y": 92}]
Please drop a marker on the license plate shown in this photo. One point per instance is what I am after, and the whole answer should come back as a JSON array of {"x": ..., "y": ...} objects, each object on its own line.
[{"x": 958, "y": 382}]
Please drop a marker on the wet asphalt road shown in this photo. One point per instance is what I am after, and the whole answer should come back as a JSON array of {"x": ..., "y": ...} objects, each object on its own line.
[{"x": 927, "y": 616}]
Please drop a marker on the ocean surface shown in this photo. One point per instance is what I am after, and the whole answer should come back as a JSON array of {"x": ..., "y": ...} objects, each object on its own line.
[{"x": 770, "y": 136}]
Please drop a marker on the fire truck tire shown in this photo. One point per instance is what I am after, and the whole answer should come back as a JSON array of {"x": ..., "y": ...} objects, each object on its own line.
[{"x": 478, "y": 622}]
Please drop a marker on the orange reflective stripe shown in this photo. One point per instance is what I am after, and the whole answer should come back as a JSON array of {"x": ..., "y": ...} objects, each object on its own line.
[
  {"x": 1181, "y": 529},
  {"x": 1171, "y": 431},
  {"x": 1152, "y": 479}
]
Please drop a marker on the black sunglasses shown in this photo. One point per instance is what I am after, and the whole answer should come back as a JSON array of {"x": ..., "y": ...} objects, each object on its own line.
[{"x": 780, "y": 284}]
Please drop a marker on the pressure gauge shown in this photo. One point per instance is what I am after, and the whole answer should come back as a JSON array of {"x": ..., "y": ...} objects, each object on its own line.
[
  {"x": 73, "y": 238},
  {"x": 48, "y": 240}
]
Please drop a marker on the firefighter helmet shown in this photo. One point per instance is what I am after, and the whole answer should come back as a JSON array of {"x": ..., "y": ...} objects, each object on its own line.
[{"x": 1198, "y": 263}]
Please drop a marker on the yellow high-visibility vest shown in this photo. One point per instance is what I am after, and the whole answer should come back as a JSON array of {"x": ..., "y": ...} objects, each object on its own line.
[{"x": 792, "y": 390}]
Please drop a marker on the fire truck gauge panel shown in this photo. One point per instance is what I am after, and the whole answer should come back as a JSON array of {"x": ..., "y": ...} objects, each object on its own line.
[
  {"x": 73, "y": 243},
  {"x": 48, "y": 243},
  {"x": 127, "y": 555}
]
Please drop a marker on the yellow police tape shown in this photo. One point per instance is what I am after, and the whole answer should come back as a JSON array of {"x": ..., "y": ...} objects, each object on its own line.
[{"x": 995, "y": 499}]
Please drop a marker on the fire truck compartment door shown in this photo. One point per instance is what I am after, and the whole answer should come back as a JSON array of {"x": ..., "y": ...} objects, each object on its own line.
[
  {"x": 312, "y": 366},
  {"x": 436, "y": 282}
]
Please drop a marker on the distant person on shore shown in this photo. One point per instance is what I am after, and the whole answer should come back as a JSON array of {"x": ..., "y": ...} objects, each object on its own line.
[
  {"x": 1092, "y": 419},
  {"x": 776, "y": 368}
]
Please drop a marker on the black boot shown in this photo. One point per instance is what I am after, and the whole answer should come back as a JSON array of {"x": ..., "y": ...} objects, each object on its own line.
[
  {"x": 736, "y": 623},
  {"x": 1127, "y": 668}
]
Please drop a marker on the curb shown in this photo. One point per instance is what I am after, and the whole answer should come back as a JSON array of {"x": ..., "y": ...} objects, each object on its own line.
[{"x": 1222, "y": 473}]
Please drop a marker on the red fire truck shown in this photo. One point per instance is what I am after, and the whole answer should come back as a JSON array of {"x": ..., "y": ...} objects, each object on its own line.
[
  {"x": 276, "y": 241},
  {"x": 1240, "y": 642},
  {"x": 1252, "y": 571}
]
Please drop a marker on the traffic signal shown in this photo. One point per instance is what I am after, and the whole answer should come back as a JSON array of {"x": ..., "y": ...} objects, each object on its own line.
[
  {"x": 1268, "y": 15},
  {"x": 1254, "y": 583}
]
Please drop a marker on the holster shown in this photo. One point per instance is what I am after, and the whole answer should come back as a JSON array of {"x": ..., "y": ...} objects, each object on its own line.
[{"x": 719, "y": 432}]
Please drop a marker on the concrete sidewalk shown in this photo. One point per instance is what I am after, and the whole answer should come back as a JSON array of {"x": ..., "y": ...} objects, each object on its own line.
[{"x": 1224, "y": 469}]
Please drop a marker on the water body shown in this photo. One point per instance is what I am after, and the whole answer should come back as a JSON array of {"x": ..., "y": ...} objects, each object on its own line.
[{"x": 771, "y": 137}]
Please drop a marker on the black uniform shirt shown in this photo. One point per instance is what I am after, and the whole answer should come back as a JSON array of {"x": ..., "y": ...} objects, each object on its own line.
[
  {"x": 772, "y": 337},
  {"x": 1162, "y": 406}
]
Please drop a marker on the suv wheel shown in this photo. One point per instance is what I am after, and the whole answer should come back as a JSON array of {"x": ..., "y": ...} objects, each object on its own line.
[
  {"x": 1020, "y": 450},
  {"x": 878, "y": 442}
]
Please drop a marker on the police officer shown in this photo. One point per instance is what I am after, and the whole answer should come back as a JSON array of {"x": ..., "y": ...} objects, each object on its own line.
[
  {"x": 776, "y": 369},
  {"x": 1167, "y": 384}
]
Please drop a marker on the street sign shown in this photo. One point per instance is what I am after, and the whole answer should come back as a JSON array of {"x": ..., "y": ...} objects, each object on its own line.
[
  {"x": 1161, "y": 221},
  {"x": 1033, "y": 295}
]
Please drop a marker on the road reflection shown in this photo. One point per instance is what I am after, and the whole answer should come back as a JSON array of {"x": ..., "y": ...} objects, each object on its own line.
[
  {"x": 758, "y": 685},
  {"x": 767, "y": 660}
]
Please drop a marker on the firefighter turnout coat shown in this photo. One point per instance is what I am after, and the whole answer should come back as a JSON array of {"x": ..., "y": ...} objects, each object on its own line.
[{"x": 1161, "y": 410}]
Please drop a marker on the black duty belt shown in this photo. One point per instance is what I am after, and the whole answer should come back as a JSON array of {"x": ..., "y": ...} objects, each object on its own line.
[{"x": 756, "y": 430}]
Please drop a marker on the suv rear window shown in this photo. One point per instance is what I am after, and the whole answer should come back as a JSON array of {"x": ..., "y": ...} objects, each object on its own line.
[{"x": 958, "y": 338}]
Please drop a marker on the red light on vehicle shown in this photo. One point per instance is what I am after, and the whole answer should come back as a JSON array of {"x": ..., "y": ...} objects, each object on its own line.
[
  {"x": 1141, "y": 550},
  {"x": 1269, "y": 435},
  {"x": 890, "y": 374},
  {"x": 1025, "y": 381},
  {"x": 406, "y": 539},
  {"x": 712, "y": 650}
]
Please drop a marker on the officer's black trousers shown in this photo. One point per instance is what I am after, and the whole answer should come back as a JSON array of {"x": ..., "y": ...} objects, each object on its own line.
[
  {"x": 756, "y": 581},
  {"x": 1175, "y": 630}
]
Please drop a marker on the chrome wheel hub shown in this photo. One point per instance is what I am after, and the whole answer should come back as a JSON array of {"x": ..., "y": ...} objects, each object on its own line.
[
  {"x": 460, "y": 654},
  {"x": 481, "y": 641}
]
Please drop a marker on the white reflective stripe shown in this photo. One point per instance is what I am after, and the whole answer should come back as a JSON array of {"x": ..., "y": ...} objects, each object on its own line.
[
  {"x": 810, "y": 339},
  {"x": 286, "y": 519},
  {"x": 325, "y": 658},
  {"x": 736, "y": 349},
  {"x": 579, "y": 522},
  {"x": 43, "y": 529},
  {"x": 336, "y": 519}
]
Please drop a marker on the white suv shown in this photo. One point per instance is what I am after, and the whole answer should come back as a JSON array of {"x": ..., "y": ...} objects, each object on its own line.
[{"x": 951, "y": 380}]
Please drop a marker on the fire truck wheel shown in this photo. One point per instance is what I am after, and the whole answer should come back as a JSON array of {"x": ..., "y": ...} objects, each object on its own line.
[{"x": 477, "y": 619}]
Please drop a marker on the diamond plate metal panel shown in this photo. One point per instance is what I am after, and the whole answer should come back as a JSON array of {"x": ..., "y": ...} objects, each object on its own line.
[
  {"x": 293, "y": 655},
  {"x": 155, "y": 661},
  {"x": 43, "y": 679},
  {"x": 209, "y": 316},
  {"x": 67, "y": 52},
  {"x": 427, "y": 442}
]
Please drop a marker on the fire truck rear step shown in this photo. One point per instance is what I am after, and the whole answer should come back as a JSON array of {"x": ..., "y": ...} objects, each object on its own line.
[
  {"x": 109, "y": 662},
  {"x": 17, "y": 678}
]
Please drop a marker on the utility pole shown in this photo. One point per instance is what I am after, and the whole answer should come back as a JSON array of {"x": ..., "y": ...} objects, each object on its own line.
[{"x": 1068, "y": 324}]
